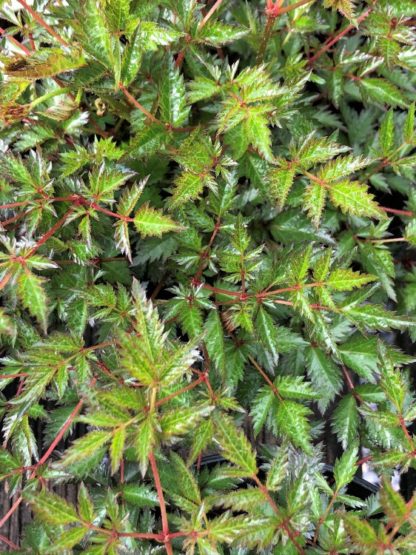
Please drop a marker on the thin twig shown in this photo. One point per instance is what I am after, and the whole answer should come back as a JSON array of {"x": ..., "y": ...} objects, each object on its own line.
[
  {"x": 43, "y": 23},
  {"x": 159, "y": 490},
  {"x": 213, "y": 9},
  {"x": 339, "y": 36}
]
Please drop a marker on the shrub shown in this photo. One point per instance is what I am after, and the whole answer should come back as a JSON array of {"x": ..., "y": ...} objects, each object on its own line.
[{"x": 207, "y": 232}]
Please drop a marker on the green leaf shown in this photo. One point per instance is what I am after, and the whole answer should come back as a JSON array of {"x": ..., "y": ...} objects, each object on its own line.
[
  {"x": 314, "y": 201},
  {"x": 361, "y": 531},
  {"x": 214, "y": 339},
  {"x": 409, "y": 126},
  {"x": 342, "y": 167},
  {"x": 378, "y": 260},
  {"x": 392, "y": 381},
  {"x": 325, "y": 376},
  {"x": 347, "y": 279},
  {"x": 7, "y": 325},
  {"x": 376, "y": 317},
  {"x": 345, "y": 7},
  {"x": 176, "y": 423},
  {"x": 85, "y": 505},
  {"x": 353, "y": 198},
  {"x": 235, "y": 445},
  {"x": 292, "y": 422},
  {"x": 267, "y": 333},
  {"x": 216, "y": 33},
  {"x": 345, "y": 468},
  {"x": 261, "y": 407},
  {"x": 294, "y": 387},
  {"x": 144, "y": 442},
  {"x": 85, "y": 447},
  {"x": 46, "y": 62},
  {"x": 173, "y": 109},
  {"x": 68, "y": 539},
  {"x": 316, "y": 150},
  {"x": 52, "y": 508},
  {"x": 139, "y": 495},
  {"x": 278, "y": 470},
  {"x": 151, "y": 222},
  {"x": 280, "y": 183},
  {"x": 31, "y": 293},
  {"x": 386, "y": 134},
  {"x": 393, "y": 503},
  {"x": 382, "y": 91},
  {"x": 117, "y": 448},
  {"x": 345, "y": 421},
  {"x": 361, "y": 355},
  {"x": 201, "y": 438}
]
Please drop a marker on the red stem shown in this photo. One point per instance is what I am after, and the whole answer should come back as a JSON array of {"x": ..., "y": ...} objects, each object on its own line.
[
  {"x": 43, "y": 23},
  {"x": 265, "y": 377},
  {"x": 213, "y": 9},
  {"x": 49, "y": 233},
  {"x": 137, "y": 104},
  {"x": 13, "y": 205},
  {"x": 12, "y": 510},
  {"x": 397, "y": 211},
  {"x": 61, "y": 433},
  {"x": 8, "y": 542},
  {"x": 47, "y": 454},
  {"x": 206, "y": 252},
  {"x": 14, "y": 41},
  {"x": 180, "y": 391},
  {"x": 339, "y": 36},
  {"x": 159, "y": 490}
]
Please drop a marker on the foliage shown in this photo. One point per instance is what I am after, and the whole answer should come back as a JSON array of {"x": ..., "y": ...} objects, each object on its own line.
[{"x": 197, "y": 257}]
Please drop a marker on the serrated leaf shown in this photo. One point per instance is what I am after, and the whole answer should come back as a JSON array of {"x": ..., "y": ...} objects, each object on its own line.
[
  {"x": 85, "y": 505},
  {"x": 345, "y": 468},
  {"x": 216, "y": 33},
  {"x": 46, "y": 62},
  {"x": 315, "y": 150},
  {"x": 409, "y": 126},
  {"x": 152, "y": 222},
  {"x": 345, "y": 421},
  {"x": 267, "y": 333},
  {"x": 214, "y": 339},
  {"x": 173, "y": 108},
  {"x": 52, "y": 508},
  {"x": 139, "y": 495},
  {"x": 278, "y": 470},
  {"x": 261, "y": 407},
  {"x": 353, "y": 198},
  {"x": 85, "y": 447},
  {"x": 386, "y": 134},
  {"x": 361, "y": 531},
  {"x": 314, "y": 201},
  {"x": 117, "y": 448},
  {"x": 201, "y": 438},
  {"x": 235, "y": 445},
  {"x": 292, "y": 422},
  {"x": 30, "y": 290},
  {"x": 393, "y": 503},
  {"x": 294, "y": 387},
  {"x": 360, "y": 354},
  {"x": 68, "y": 539},
  {"x": 342, "y": 167},
  {"x": 325, "y": 376},
  {"x": 382, "y": 91},
  {"x": 347, "y": 279},
  {"x": 280, "y": 183},
  {"x": 144, "y": 442},
  {"x": 376, "y": 317}
]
